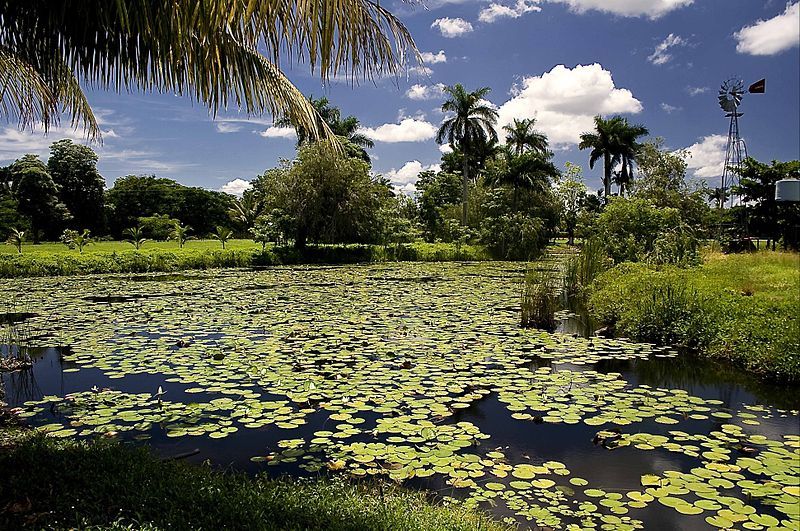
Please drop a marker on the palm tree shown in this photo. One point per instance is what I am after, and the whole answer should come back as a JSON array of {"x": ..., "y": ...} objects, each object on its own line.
[
  {"x": 180, "y": 233},
  {"x": 222, "y": 234},
  {"x": 135, "y": 236},
  {"x": 210, "y": 50},
  {"x": 247, "y": 209},
  {"x": 718, "y": 196},
  {"x": 471, "y": 124},
  {"x": 16, "y": 238},
  {"x": 616, "y": 142},
  {"x": 530, "y": 171},
  {"x": 521, "y": 135}
]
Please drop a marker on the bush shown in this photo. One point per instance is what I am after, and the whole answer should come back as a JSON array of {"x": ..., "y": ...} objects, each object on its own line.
[{"x": 514, "y": 236}]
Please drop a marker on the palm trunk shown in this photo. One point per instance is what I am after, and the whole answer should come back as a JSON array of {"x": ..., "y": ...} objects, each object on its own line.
[
  {"x": 465, "y": 170},
  {"x": 607, "y": 178}
]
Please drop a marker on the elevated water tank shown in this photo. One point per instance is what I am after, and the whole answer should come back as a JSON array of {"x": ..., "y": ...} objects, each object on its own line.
[{"x": 787, "y": 190}]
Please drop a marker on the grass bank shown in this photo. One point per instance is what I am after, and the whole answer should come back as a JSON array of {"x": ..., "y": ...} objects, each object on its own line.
[
  {"x": 67, "y": 485},
  {"x": 744, "y": 308},
  {"x": 113, "y": 257}
]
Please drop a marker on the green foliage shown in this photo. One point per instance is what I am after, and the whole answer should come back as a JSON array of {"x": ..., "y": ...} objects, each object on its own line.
[
  {"x": 16, "y": 238},
  {"x": 37, "y": 196},
  {"x": 74, "y": 239},
  {"x": 615, "y": 141},
  {"x": 112, "y": 486},
  {"x": 514, "y": 236},
  {"x": 180, "y": 233},
  {"x": 436, "y": 190},
  {"x": 456, "y": 233},
  {"x": 81, "y": 188},
  {"x": 222, "y": 235},
  {"x": 571, "y": 193},
  {"x": 157, "y": 227},
  {"x": 245, "y": 211},
  {"x": 740, "y": 307},
  {"x": 583, "y": 268},
  {"x": 135, "y": 236}
]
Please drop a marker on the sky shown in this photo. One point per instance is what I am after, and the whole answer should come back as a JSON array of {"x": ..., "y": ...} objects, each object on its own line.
[{"x": 658, "y": 62}]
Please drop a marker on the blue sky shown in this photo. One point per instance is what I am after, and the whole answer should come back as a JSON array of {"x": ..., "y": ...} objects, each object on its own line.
[{"x": 658, "y": 62}]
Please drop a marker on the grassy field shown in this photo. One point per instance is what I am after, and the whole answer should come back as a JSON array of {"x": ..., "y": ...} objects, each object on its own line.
[
  {"x": 49, "y": 484},
  {"x": 744, "y": 307}
]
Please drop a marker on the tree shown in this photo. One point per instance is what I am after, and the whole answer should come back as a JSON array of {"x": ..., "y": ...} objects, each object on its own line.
[
  {"x": 522, "y": 136},
  {"x": 81, "y": 188},
  {"x": 212, "y": 52},
  {"x": 763, "y": 215},
  {"x": 470, "y": 125},
  {"x": 436, "y": 190},
  {"x": 135, "y": 236},
  {"x": 527, "y": 170},
  {"x": 180, "y": 233},
  {"x": 222, "y": 235},
  {"x": 72, "y": 239},
  {"x": 16, "y": 238},
  {"x": 614, "y": 141},
  {"x": 572, "y": 193},
  {"x": 245, "y": 211},
  {"x": 37, "y": 196}
]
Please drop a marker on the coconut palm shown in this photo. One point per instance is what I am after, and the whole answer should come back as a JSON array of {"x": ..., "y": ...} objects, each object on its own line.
[
  {"x": 529, "y": 171},
  {"x": 135, "y": 236},
  {"x": 210, "y": 50},
  {"x": 246, "y": 210},
  {"x": 222, "y": 234},
  {"x": 521, "y": 135},
  {"x": 470, "y": 124},
  {"x": 16, "y": 238}
]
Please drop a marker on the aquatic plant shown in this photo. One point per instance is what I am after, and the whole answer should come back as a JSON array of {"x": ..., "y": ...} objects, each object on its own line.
[{"x": 539, "y": 301}]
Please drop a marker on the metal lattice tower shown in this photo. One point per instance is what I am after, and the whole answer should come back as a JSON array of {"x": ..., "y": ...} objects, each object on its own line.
[{"x": 730, "y": 98}]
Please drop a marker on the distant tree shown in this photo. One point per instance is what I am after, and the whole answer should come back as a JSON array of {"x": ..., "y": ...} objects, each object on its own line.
[
  {"x": 527, "y": 170},
  {"x": 245, "y": 211},
  {"x": 37, "y": 196},
  {"x": 222, "y": 235},
  {"x": 436, "y": 190},
  {"x": 521, "y": 136},
  {"x": 615, "y": 141},
  {"x": 74, "y": 239},
  {"x": 470, "y": 123},
  {"x": 80, "y": 186},
  {"x": 135, "y": 236},
  {"x": 718, "y": 196},
  {"x": 180, "y": 233},
  {"x": 572, "y": 192},
  {"x": 157, "y": 227},
  {"x": 9, "y": 209},
  {"x": 16, "y": 238}
]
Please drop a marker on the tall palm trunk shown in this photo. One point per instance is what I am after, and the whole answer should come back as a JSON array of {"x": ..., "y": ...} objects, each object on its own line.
[
  {"x": 607, "y": 178},
  {"x": 465, "y": 171}
]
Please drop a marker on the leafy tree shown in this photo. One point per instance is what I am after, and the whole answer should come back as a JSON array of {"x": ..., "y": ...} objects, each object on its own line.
[
  {"x": 763, "y": 215},
  {"x": 470, "y": 125},
  {"x": 9, "y": 209},
  {"x": 528, "y": 170},
  {"x": 456, "y": 233},
  {"x": 157, "y": 227},
  {"x": 572, "y": 193},
  {"x": 614, "y": 141},
  {"x": 264, "y": 231},
  {"x": 222, "y": 235},
  {"x": 16, "y": 238},
  {"x": 180, "y": 233},
  {"x": 213, "y": 53},
  {"x": 521, "y": 136},
  {"x": 37, "y": 196},
  {"x": 135, "y": 236},
  {"x": 72, "y": 239},
  {"x": 80, "y": 186},
  {"x": 436, "y": 190},
  {"x": 514, "y": 236}
]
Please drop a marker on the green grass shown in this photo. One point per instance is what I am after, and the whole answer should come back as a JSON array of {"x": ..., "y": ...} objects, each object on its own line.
[
  {"x": 744, "y": 308},
  {"x": 67, "y": 485},
  {"x": 120, "y": 257}
]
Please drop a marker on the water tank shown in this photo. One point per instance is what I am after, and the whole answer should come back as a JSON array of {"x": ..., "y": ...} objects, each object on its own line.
[{"x": 787, "y": 190}]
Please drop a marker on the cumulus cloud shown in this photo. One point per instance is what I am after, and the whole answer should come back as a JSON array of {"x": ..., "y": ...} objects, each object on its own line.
[
  {"x": 278, "y": 132},
  {"x": 452, "y": 27},
  {"x": 696, "y": 91},
  {"x": 669, "y": 109},
  {"x": 425, "y": 92},
  {"x": 495, "y": 11},
  {"x": 236, "y": 187},
  {"x": 627, "y": 8},
  {"x": 707, "y": 156},
  {"x": 405, "y": 178},
  {"x": 773, "y": 36},
  {"x": 661, "y": 54},
  {"x": 564, "y": 101},
  {"x": 408, "y": 130},
  {"x": 434, "y": 58}
]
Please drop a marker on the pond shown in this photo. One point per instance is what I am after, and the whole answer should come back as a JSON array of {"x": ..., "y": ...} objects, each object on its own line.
[{"x": 418, "y": 373}]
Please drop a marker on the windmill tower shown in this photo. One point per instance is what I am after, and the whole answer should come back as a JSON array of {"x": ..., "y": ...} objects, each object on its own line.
[{"x": 730, "y": 98}]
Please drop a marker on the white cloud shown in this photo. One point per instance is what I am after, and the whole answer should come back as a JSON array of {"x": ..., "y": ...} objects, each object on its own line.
[
  {"x": 408, "y": 130},
  {"x": 707, "y": 156},
  {"x": 564, "y": 101},
  {"x": 234, "y": 124},
  {"x": 421, "y": 70},
  {"x": 669, "y": 109},
  {"x": 278, "y": 132},
  {"x": 661, "y": 54},
  {"x": 236, "y": 187},
  {"x": 773, "y": 36},
  {"x": 627, "y": 8},
  {"x": 452, "y": 27},
  {"x": 495, "y": 11},
  {"x": 405, "y": 179},
  {"x": 425, "y": 92},
  {"x": 228, "y": 127},
  {"x": 434, "y": 58},
  {"x": 696, "y": 91}
]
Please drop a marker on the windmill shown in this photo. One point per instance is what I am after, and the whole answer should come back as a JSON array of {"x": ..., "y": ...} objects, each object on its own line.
[{"x": 730, "y": 98}]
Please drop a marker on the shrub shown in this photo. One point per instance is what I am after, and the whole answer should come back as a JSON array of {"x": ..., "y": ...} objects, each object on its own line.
[{"x": 514, "y": 236}]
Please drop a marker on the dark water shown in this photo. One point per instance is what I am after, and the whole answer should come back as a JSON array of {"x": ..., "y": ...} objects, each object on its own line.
[{"x": 612, "y": 470}]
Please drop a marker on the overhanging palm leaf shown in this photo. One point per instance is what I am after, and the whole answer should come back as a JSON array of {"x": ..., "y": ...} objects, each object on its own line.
[{"x": 205, "y": 48}]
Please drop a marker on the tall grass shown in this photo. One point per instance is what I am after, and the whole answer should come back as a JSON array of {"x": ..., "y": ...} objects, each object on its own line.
[
  {"x": 580, "y": 270},
  {"x": 539, "y": 300}
]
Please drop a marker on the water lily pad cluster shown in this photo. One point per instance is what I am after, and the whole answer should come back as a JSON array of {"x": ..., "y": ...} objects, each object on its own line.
[{"x": 366, "y": 370}]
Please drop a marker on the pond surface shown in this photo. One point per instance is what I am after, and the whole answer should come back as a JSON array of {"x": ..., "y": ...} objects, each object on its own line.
[{"x": 416, "y": 372}]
